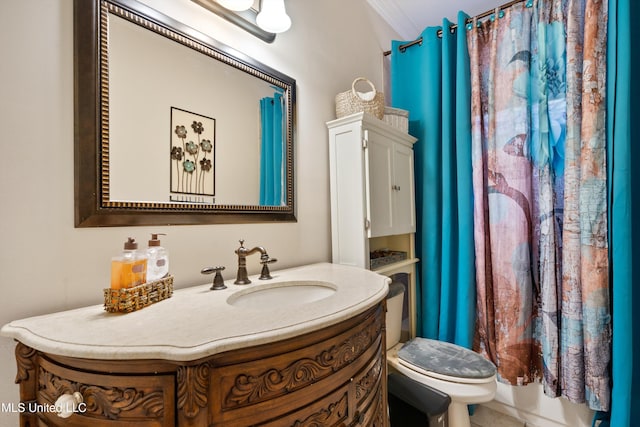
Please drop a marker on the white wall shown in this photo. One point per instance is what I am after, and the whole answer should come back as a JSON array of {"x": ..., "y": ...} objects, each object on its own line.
[{"x": 46, "y": 264}]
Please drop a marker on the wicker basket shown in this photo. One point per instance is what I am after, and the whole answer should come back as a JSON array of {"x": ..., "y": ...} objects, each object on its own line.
[
  {"x": 137, "y": 297},
  {"x": 397, "y": 118},
  {"x": 384, "y": 257},
  {"x": 351, "y": 101}
]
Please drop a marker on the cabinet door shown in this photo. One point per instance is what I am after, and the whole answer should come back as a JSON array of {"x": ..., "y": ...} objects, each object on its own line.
[
  {"x": 380, "y": 179},
  {"x": 347, "y": 169},
  {"x": 404, "y": 191}
]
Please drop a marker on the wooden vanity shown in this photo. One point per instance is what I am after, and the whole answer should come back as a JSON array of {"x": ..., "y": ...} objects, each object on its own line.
[{"x": 329, "y": 370}]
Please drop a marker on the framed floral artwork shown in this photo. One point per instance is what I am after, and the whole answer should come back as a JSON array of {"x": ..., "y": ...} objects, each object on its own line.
[{"x": 192, "y": 157}]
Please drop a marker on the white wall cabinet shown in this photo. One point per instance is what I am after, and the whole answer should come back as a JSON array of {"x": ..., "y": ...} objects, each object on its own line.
[
  {"x": 372, "y": 195},
  {"x": 372, "y": 185}
]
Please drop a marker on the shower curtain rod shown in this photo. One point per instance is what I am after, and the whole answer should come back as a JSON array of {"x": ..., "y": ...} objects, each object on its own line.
[{"x": 453, "y": 27}]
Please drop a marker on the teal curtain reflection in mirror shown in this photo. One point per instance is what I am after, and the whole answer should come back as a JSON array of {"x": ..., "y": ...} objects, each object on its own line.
[{"x": 272, "y": 164}]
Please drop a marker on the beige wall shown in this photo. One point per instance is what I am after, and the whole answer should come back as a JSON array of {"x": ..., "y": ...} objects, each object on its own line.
[{"x": 46, "y": 264}]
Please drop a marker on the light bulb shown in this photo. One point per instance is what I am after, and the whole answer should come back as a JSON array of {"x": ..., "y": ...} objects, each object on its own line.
[
  {"x": 273, "y": 16},
  {"x": 236, "y": 5}
]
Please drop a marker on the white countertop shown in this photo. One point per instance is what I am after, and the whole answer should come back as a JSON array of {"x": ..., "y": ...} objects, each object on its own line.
[{"x": 197, "y": 322}]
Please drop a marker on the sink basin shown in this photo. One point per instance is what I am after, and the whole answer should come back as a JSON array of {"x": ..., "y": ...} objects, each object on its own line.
[{"x": 282, "y": 294}]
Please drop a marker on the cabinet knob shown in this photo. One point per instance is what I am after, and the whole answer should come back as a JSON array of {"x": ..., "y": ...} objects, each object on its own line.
[{"x": 67, "y": 404}]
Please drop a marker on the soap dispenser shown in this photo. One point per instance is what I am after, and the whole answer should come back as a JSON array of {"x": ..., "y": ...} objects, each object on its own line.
[
  {"x": 129, "y": 268},
  {"x": 158, "y": 266}
]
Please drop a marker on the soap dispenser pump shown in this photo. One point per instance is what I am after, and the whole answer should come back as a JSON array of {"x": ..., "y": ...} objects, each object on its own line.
[{"x": 158, "y": 266}]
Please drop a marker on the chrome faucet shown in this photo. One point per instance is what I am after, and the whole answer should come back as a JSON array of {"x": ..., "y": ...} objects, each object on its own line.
[{"x": 265, "y": 260}]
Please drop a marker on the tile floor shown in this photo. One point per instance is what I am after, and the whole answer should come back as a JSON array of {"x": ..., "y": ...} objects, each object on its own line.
[{"x": 485, "y": 417}]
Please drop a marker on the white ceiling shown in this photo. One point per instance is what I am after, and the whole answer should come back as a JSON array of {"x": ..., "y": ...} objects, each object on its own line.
[{"x": 410, "y": 17}]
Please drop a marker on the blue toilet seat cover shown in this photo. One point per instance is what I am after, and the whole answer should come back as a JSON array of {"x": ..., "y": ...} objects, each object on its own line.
[{"x": 445, "y": 358}]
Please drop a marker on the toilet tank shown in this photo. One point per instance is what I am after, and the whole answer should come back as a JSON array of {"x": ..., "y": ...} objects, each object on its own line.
[{"x": 395, "y": 299}]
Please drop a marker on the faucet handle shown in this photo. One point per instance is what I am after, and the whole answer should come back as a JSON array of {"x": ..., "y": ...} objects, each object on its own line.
[
  {"x": 265, "y": 261},
  {"x": 218, "y": 281}
]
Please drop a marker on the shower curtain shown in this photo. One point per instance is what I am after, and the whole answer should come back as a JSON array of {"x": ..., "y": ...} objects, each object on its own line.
[
  {"x": 432, "y": 82},
  {"x": 625, "y": 393},
  {"x": 540, "y": 189},
  {"x": 271, "y": 151},
  {"x": 541, "y": 234}
]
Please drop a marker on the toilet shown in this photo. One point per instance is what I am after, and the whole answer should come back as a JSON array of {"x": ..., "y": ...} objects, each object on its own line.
[{"x": 467, "y": 377}]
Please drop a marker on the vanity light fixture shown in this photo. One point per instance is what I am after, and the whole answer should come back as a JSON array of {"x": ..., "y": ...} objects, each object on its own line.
[
  {"x": 273, "y": 16},
  {"x": 245, "y": 19},
  {"x": 236, "y": 5}
]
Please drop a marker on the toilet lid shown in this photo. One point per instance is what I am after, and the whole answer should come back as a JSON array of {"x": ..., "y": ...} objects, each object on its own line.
[{"x": 445, "y": 358}]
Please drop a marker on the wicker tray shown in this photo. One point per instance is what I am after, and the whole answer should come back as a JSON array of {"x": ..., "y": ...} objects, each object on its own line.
[
  {"x": 380, "y": 258},
  {"x": 137, "y": 297}
]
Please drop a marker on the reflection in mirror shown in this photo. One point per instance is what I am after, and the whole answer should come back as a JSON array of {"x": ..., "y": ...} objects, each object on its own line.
[
  {"x": 150, "y": 95},
  {"x": 189, "y": 130}
]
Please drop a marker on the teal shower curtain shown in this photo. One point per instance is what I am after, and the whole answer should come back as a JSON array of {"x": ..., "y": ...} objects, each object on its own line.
[
  {"x": 271, "y": 152},
  {"x": 625, "y": 398},
  {"x": 422, "y": 84},
  {"x": 431, "y": 81}
]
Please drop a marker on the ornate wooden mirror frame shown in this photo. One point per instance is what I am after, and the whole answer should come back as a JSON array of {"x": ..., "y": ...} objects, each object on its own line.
[{"x": 93, "y": 206}]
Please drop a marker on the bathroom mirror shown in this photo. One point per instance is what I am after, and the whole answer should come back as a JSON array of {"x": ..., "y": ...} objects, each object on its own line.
[{"x": 173, "y": 127}]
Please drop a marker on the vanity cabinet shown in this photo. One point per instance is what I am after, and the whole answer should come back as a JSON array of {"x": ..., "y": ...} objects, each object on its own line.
[
  {"x": 330, "y": 377},
  {"x": 371, "y": 166}
]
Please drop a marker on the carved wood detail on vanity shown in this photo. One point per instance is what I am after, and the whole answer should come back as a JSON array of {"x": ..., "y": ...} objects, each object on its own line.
[
  {"x": 334, "y": 376},
  {"x": 109, "y": 402},
  {"x": 193, "y": 388},
  {"x": 26, "y": 378},
  {"x": 24, "y": 360},
  {"x": 249, "y": 389},
  {"x": 329, "y": 416},
  {"x": 367, "y": 383}
]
